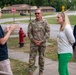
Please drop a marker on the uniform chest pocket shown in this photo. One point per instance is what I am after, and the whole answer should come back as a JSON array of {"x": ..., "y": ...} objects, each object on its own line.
[{"x": 41, "y": 28}]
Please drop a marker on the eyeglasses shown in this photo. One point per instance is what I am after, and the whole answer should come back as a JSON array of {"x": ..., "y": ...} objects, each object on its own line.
[{"x": 37, "y": 13}]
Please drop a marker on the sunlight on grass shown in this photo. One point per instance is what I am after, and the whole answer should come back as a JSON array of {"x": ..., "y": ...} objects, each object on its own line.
[
  {"x": 72, "y": 20},
  {"x": 51, "y": 49},
  {"x": 51, "y": 20},
  {"x": 18, "y": 67},
  {"x": 13, "y": 43}
]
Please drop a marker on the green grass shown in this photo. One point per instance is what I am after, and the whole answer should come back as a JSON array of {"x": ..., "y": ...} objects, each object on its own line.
[
  {"x": 72, "y": 20},
  {"x": 17, "y": 15},
  {"x": 13, "y": 43},
  {"x": 51, "y": 49},
  {"x": 18, "y": 67},
  {"x": 52, "y": 20},
  {"x": 48, "y": 13},
  {"x": 25, "y": 21}
]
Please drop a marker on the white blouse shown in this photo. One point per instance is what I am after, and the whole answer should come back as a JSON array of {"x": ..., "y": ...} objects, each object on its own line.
[{"x": 65, "y": 40}]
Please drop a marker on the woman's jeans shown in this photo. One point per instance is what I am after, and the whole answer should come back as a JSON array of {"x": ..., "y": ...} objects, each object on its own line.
[{"x": 63, "y": 63}]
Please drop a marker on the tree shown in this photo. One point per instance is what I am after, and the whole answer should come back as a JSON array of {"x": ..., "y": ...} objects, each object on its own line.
[
  {"x": 74, "y": 4},
  {"x": 58, "y": 4},
  {"x": 39, "y": 3},
  {"x": 0, "y": 4},
  {"x": 54, "y": 3},
  {"x": 49, "y": 1},
  {"x": 68, "y": 4}
]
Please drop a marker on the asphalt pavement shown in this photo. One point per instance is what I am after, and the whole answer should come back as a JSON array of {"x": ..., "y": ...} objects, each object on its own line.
[{"x": 54, "y": 28}]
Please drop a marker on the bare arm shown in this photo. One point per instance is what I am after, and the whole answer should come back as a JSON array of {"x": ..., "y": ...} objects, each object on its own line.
[{"x": 9, "y": 31}]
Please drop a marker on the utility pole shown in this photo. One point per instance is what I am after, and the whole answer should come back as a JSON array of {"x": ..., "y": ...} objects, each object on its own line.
[
  {"x": 30, "y": 8},
  {"x": 0, "y": 9}
]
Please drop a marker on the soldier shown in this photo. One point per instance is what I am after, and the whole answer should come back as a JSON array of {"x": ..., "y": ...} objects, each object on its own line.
[{"x": 38, "y": 33}]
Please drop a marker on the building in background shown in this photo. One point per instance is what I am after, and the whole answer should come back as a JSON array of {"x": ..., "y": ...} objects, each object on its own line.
[{"x": 24, "y": 8}]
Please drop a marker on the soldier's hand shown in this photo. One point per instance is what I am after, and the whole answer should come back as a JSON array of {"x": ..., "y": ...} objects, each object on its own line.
[{"x": 38, "y": 42}]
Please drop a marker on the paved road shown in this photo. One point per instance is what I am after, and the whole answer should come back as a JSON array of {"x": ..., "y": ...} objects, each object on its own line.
[{"x": 53, "y": 30}]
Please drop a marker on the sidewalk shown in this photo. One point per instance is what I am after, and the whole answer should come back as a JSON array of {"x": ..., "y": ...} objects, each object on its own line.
[{"x": 51, "y": 67}]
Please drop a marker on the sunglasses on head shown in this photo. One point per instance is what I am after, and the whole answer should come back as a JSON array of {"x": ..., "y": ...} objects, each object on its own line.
[{"x": 37, "y": 13}]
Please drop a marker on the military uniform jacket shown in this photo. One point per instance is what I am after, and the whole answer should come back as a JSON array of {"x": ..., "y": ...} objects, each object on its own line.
[{"x": 39, "y": 30}]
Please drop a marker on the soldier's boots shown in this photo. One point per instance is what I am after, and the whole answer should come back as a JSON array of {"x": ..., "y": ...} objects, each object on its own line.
[{"x": 40, "y": 73}]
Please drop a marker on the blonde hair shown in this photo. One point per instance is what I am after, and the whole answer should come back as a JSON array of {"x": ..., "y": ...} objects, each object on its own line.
[{"x": 66, "y": 20}]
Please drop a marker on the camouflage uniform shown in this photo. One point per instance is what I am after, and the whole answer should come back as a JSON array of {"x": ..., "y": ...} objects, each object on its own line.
[{"x": 38, "y": 30}]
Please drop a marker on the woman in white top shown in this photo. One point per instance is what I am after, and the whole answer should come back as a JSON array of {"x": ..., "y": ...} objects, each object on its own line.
[{"x": 65, "y": 42}]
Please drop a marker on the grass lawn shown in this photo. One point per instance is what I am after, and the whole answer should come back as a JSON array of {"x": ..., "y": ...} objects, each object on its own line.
[
  {"x": 17, "y": 15},
  {"x": 18, "y": 67},
  {"x": 72, "y": 20},
  {"x": 51, "y": 49},
  {"x": 51, "y": 20}
]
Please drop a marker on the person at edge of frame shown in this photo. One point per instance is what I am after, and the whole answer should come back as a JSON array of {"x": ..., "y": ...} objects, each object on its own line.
[
  {"x": 74, "y": 45},
  {"x": 5, "y": 68}
]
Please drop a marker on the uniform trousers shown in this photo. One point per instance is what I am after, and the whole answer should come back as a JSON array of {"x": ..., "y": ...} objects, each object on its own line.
[{"x": 33, "y": 53}]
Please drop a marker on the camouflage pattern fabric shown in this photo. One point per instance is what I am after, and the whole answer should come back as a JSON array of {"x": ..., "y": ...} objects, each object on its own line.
[{"x": 38, "y": 30}]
